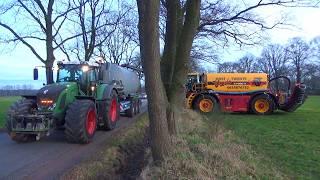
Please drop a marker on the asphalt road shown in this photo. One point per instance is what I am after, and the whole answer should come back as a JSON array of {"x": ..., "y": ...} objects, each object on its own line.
[{"x": 50, "y": 157}]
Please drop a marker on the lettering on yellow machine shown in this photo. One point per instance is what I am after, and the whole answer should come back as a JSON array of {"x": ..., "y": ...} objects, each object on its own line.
[{"x": 236, "y": 82}]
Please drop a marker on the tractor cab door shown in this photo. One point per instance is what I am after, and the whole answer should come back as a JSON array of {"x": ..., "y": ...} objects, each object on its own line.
[
  {"x": 281, "y": 88},
  {"x": 88, "y": 81},
  {"x": 191, "y": 80}
]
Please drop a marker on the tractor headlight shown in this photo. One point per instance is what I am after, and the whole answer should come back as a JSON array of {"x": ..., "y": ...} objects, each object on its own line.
[
  {"x": 46, "y": 102},
  {"x": 85, "y": 68}
]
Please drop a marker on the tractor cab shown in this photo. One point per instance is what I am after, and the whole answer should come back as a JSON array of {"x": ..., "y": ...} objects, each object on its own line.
[
  {"x": 193, "y": 78},
  {"x": 84, "y": 74},
  {"x": 281, "y": 88}
]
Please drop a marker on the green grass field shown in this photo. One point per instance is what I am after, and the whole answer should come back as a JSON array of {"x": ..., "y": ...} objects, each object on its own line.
[
  {"x": 5, "y": 103},
  {"x": 290, "y": 141}
]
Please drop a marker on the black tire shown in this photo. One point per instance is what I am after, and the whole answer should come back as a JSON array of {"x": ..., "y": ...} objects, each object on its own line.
[
  {"x": 77, "y": 122},
  {"x": 135, "y": 102},
  {"x": 209, "y": 99},
  {"x": 108, "y": 123},
  {"x": 265, "y": 99},
  {"x": 21, "y": 107},
  {"x": 130, "y": 112},
  {"x": 138, "y": 106}
]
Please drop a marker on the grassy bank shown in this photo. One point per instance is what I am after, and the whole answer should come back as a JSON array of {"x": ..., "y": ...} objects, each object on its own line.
[
  {"x": 205, "y": 150},
  {"x": 289, "y": 140},
  {"x": 5, "y": 103}
]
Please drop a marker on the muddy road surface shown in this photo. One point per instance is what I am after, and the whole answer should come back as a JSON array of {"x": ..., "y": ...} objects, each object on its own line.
[{"x": 50, "y": 157}]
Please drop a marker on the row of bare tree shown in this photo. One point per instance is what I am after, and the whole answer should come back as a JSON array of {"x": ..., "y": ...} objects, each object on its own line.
[{"x": 298, "y": 59}]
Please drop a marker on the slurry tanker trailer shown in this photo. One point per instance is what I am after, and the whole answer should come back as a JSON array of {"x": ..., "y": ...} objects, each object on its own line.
[
  {"x": 243, "y": 92},
  {"x": 86, "y": 96}
]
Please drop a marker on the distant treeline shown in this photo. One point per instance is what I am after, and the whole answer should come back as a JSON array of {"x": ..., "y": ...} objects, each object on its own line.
[
  {"x": 17, "y": 92},
  {"x": 313, "y": 91}
]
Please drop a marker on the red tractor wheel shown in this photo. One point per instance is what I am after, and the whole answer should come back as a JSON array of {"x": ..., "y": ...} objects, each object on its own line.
[
  {"x": 112, "y": 111},
  {"x": 81, "y": 121}
]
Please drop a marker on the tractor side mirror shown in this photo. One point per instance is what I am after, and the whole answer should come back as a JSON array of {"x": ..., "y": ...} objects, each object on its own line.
[{"x": 35, "y": 74}]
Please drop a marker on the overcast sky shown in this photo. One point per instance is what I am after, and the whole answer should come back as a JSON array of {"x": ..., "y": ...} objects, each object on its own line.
[
  {"x": 18, "y": 63},
  {"x": 304, "y": 22}
]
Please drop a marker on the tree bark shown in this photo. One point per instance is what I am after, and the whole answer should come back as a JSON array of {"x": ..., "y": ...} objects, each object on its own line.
[
  {"x": 150, "y": 56},
  {"x": 49, "y": 74},
  {"x": 49, "y": 43},
  {"x": 181, "y": 60},
  {"x": 171, "y": 38}
]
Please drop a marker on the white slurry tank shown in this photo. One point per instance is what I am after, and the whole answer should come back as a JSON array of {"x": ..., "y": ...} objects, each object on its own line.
[{"x": 123, "y": 76}]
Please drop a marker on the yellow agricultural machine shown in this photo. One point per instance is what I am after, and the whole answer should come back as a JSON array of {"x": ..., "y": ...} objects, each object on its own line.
[{"x": 242, "y": 92}]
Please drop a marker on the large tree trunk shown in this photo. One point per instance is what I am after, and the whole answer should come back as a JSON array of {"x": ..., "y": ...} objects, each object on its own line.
[
  {"x": 49, "y": 73},
  {"x": 49, "y": 44},
  {"x": 173, "y": 28},
  {"x": 50, "y": 60},
  {"x": 171, "y": 38},
  {"x": 175, "y": 93},
  {"x": 150, "y": 56}
]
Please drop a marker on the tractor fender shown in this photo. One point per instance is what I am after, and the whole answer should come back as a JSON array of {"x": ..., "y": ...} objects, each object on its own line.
[
  {"x": 85, "y": 97},
  {"x": 103, "y": 101},
  {"x": 105, "y": 89},
  {"x": 33, "y": 97}
]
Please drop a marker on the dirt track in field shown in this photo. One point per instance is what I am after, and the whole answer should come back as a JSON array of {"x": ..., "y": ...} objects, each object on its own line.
[{"x": 51, "y": 156}]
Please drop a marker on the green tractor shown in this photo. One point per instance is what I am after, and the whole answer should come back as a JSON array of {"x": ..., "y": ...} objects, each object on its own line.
[{"x": 86, "y": 96}]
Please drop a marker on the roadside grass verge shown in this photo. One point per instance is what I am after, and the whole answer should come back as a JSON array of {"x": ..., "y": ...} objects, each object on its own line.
[
  {"x": 206, "y": 150},
  {"x": 289, "y": 140},
  {"x": 105, "y": 164},
  {"x": 5, "y": 103}
]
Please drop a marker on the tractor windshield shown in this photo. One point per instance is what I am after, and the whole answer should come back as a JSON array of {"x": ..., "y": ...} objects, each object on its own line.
[
  {"x": 69, "y": 73},
  {"x": 192, "y": 79}
]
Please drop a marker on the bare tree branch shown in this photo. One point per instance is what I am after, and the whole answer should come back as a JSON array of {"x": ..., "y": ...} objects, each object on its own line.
[{"x": 23, "y": 41}]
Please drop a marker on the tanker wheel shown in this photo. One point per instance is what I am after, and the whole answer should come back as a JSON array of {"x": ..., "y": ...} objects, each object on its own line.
[
  {"x": 131, "y": 111},
  {"x": 206, "y": 104},
  {"x": 138, "y": 106},
  {"x": 135, "y": 107},
  {"x": 111, "y": 115},
  {"x": 21, "y": 107},
  {"x": 81, "y": 121},
  {"x": 262, "y": 104}
]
